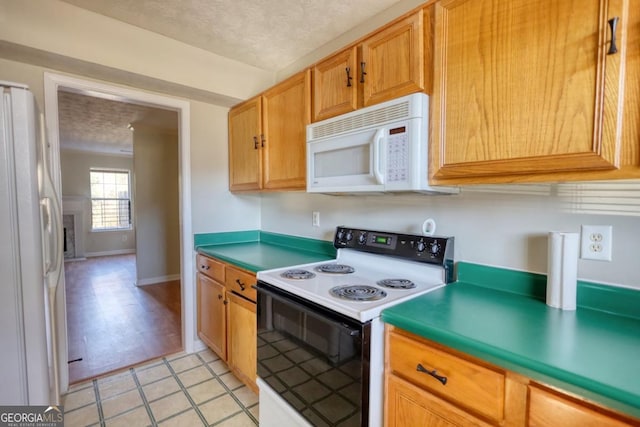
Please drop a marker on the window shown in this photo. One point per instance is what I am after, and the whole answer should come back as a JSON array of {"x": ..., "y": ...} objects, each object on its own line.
[{"x": 110, "y": 200}]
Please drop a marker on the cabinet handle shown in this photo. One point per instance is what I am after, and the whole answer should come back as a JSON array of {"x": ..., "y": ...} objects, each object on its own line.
[
  {"x": 219, "y": 296},
  {"x": 362, "y": 72},
  {"x": 433, "y": 373},
  {"x": 205, "y": 267},
  {"x": 225, "y": 302},
  {"x": 348, "y": 70},
  {"x": 242, "y": 285},
  {"x": 262, "y": 140},
  {"x": 255, "y": 142},
  {"x": 613, "y": 24}
]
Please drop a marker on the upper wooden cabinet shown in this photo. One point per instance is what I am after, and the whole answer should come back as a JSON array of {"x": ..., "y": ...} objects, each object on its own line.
[
  {"x": 335, "y": 90},
  {"x": 267, "y": 137},
  {"x": 245, "y": 139},
  {"x": 386, "y": 65},
  {"x": 525, "y": 87}
]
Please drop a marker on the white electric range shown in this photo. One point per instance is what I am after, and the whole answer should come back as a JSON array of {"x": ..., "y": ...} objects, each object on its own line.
[{"x": 320, "y": 337}]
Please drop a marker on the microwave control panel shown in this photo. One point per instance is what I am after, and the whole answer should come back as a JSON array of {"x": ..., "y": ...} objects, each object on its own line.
[{"x": 398, "y": 154}]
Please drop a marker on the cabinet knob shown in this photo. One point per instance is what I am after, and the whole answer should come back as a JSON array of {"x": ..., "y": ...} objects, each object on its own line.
[
  {"x": 433, "y": 373},
  {"x": 613, "y": 24}
]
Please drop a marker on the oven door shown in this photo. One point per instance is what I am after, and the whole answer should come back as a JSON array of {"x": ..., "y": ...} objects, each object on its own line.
[{"x": 315, "y": 359}]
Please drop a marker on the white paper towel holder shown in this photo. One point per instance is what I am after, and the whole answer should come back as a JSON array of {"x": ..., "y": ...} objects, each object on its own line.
[{"x": 562, "y": 270}]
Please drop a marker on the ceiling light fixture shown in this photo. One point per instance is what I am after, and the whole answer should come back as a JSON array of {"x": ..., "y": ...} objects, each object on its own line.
[{"x": 130, "y": 127}]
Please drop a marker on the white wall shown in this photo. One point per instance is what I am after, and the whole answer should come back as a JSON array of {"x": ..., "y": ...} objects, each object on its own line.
[
  {"x": 497, "y": 229},
  {"x": 76, "y": 193},
  {"x": 156, "y": 202}
]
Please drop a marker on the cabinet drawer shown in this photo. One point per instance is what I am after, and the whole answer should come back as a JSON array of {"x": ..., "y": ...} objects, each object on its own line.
[
  {"x": 550, "y": 409},
  {"x": 241, "y": 283},
  {"x": 468, "y": 385},
  {"x": 211, "y": 268}
]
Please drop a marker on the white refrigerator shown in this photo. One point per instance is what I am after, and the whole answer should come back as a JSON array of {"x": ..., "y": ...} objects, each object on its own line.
[{"x": 31, "y": 254}]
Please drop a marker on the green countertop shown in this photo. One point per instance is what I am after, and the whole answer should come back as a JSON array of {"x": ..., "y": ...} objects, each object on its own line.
[
  {"x": 259, "y": 250},
  {"x": 591, "y": 351}
]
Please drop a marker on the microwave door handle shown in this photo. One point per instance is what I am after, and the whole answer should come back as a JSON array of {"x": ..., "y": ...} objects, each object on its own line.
[{"x": 377, "y": 142}]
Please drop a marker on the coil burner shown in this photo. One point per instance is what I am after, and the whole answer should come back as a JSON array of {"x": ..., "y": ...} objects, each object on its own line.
[
  {"x": 397, "y": 283},
  {"x": 335, "y": 269},
  {"x": 297, "y": 274},
  {"x": 358, "y": 293}
]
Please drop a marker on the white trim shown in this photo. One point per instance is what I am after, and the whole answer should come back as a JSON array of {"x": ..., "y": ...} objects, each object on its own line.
[
  {"x": 110, "y": 253},
  {"x": 52, "y": 82},
  {"x": 154, "y": 280}
]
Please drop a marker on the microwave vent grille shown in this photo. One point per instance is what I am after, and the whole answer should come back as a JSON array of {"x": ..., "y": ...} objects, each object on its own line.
[{"x": 374, "y": 117}]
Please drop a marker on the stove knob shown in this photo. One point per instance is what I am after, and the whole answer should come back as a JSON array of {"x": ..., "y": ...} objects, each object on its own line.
[
  {"x": 349, "y": 236},
  {"x": 362, "y": 238},
  {"x": 434, "y": 248},
  {"x": 340, "y": 234},
  {"x": 421, "y": 246}
]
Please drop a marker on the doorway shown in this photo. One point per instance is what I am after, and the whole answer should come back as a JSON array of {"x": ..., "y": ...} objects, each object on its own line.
[{"x": 53, "y": 83}]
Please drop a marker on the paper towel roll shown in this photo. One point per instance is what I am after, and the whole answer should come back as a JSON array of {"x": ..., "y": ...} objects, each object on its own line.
[{"x": 562, "y": 270}]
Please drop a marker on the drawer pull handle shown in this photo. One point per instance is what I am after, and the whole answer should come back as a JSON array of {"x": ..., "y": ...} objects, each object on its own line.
[
  {"x": 242, "y": 285},
  {"x": 205, "y": 267},
  {"x": 433, "y": 373}
]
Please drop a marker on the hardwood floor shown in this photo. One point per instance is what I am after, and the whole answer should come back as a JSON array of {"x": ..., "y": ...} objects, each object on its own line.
[{"x": 111, "y": 322}]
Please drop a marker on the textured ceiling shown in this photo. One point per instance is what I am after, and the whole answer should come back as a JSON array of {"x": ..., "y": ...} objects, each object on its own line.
[
  {"x": 268, "y": 34},
  {"x": 100, "y": 125}
]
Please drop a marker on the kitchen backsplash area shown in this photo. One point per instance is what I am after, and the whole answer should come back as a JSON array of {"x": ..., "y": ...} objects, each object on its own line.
[{"x": 505, "y": 230}]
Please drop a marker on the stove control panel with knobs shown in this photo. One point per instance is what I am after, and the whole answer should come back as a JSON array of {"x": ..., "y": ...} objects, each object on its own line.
[{"x": 430, "y": 249}]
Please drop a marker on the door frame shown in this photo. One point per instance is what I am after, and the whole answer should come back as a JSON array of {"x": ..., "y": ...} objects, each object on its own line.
[{"x": 52, "y": 83}]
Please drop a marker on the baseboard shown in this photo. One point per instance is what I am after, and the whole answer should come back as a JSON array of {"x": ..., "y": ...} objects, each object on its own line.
[
  {"x": 154, "y": 280},
  {"x": 108, "y": 253},
  {"x": 75, "y": 259}
]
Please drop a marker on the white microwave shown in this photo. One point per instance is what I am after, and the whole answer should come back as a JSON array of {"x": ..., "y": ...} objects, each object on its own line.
[{"x": 382, "y": 148}]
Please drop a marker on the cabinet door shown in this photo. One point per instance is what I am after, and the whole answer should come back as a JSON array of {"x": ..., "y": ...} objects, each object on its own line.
[
  {"x": 409, "y": 406},
  {"x": 335, "y": 91},
  {"x": 286, "y": 114},
  {"x": 211, "y": 315},
  {"x": 393, "y": 60},
  {"x": 242, "y": 339},
  {"x": 524, "y": 87},
  {"x": 245, "y": 139}
]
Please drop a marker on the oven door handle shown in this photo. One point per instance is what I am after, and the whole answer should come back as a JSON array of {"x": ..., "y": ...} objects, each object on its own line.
[{"x": 353, "y": 332}]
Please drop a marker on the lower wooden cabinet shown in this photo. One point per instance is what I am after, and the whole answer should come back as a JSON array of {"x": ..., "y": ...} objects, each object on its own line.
[
  {"x": 227, "y": 316},
  {"x": 241, "y": 338},
  {"x": 411, "y": 406},
  {"x": 212, "y": 321},
  {"x": 427, "y": 384}
]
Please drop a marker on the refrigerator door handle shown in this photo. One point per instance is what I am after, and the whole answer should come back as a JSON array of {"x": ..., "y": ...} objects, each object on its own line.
[{"x": 53, "y": 226}]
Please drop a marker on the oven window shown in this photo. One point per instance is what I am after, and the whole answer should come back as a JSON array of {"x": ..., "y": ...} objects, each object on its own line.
[{"x": 311, "y": 360}]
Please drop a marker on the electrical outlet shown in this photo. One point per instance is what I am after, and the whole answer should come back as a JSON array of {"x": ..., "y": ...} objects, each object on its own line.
[
  {"x": 315, "y": 219},
  {"x": 595, "y": 242}
]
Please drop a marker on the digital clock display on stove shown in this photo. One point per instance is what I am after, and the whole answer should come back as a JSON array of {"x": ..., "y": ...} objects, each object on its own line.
[{"x": 382, "y": 240}]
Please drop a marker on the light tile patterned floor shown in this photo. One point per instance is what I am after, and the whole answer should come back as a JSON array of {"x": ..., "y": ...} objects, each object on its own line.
[{"x": 180, "y": 390}]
